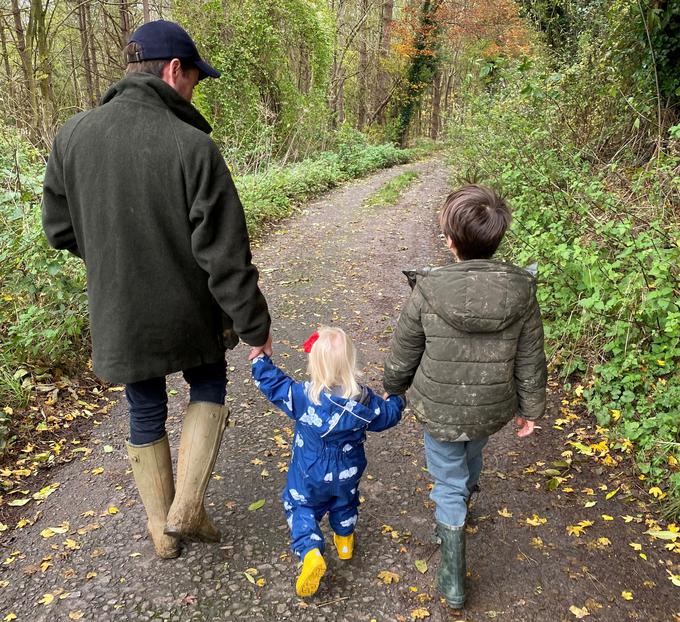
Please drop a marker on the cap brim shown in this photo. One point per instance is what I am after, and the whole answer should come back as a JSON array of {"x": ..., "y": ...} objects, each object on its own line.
[{"x": 206, "y": 71}]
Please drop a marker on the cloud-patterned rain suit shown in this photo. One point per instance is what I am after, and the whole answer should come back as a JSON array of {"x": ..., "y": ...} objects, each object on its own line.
[{"x": 328, "y": 455}]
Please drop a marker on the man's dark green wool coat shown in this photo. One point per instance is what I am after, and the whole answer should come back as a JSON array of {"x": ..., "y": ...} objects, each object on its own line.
[
  {"x": 469, "y": 343},
  {"x": 137, "y": 188}
]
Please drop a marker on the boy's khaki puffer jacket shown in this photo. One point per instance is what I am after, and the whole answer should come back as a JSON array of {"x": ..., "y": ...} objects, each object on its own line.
[{"x": 469, "y": 343}]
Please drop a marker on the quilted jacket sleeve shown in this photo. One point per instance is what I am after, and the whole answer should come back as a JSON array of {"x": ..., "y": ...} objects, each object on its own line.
[
  {"x": 531, "y": 373},
  {"x": 408, "y": 346}
]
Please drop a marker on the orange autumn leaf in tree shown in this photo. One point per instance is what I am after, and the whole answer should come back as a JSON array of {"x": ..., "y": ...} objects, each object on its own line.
[{"x": 496, "y": 24}]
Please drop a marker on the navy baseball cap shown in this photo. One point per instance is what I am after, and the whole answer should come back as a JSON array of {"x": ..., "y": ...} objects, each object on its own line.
[{"x": 160, "y": 40}]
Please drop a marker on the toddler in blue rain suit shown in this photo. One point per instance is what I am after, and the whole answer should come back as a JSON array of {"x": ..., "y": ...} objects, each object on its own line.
[{"x": 332, "y": 413}]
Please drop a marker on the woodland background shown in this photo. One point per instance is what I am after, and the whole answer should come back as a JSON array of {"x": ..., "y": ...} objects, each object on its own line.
[{"x": 569, "y": 107}]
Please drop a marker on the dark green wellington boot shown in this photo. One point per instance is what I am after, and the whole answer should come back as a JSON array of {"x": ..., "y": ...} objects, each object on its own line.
[{"x": 451, "y": 575}]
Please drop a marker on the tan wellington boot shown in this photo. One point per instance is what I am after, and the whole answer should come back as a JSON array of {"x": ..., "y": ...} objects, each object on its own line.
[
  {"x": 152, "y": 470},
  {"x": 204, "y": 424}
]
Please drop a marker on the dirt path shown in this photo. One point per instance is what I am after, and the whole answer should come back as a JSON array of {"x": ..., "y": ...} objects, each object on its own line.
[{"x": 338, "y": 262}]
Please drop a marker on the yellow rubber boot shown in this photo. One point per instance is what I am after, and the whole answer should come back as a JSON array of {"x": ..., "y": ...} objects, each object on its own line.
[
  {"x": 313, "y": 568},
  {"x": 344, "y": 545}
]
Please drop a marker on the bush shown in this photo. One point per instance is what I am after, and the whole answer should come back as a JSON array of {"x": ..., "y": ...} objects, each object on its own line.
[{"x": 605, "y": 236}]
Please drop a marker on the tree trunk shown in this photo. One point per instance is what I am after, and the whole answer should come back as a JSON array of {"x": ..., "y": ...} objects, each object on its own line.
[
  {"x": 8, "y": 67},
  {"x": 435, "y": 120},
  {"x": 362, "y": 91},
  {"x": 124, "y": 23},
  {"x": 85, "y": 45},
  {"x": 147, "y": 15},
  {"x": 93, "y": 54},
  {"x": 383, "y": 81},
  {"x": 24, "y": 54}
]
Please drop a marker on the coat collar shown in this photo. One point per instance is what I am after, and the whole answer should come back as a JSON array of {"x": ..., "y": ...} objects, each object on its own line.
[{"x": 144, "y": 86}]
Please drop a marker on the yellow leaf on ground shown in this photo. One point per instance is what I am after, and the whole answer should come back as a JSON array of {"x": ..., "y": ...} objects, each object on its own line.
[
  {"x": 604, "y": 541},
  {"x": 657, "y": 493},
  {"x": 260, "y": 581},
  {"x": 579, "y": 612},
  {"x": 112, "y": 509},
  {"x": 505, "y": 513},
  {"x": 46, "y": 599},
  {"x": 97, "y": 471},
  {"x": 420, "y": 614},
  {"x": 76, "y": 615},
  {"x": 388, "y": 577},
  {"x": 635, "y": 546},
  {"x": 9, "y": 617},
  {"x": 627, "y": 595},
  {"x": 536, "y": 520},
  {"x": 607, "y": 517}
]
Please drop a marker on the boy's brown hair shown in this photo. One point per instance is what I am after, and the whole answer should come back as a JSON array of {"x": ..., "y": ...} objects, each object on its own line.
[{"x": 475, "y": 219}]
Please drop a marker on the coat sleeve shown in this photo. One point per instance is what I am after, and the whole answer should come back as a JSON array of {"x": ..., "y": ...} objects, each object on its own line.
[
  {"x": 390, "y": 411},
  {"x": 531, "y": 371},
  {"x": 408, "y": 346},
  {"x": 56, "y": 217},
  {"x": 279, "y": 388},
  {"x": 221, "y": 246}
]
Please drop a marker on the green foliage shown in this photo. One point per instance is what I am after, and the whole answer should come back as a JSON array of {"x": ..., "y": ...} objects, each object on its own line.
[
  {"x": 604, "y": 233},
  {"x": 390, "y": 192},
  {"x": 43, "y": 302},
  {"x": 274, "y": 58}
]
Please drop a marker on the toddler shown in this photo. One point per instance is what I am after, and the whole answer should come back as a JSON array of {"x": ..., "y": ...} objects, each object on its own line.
[{"x": 332, "y": 413}]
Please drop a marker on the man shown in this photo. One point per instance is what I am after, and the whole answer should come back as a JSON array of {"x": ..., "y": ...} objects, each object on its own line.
[{"x": 138, "y": 189}]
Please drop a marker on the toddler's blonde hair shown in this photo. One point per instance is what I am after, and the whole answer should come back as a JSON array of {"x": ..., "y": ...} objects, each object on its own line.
[{"x": 332, "y": 365}]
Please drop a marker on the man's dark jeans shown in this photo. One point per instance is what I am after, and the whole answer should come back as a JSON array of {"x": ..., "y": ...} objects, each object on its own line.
[{"x": 148, "y": 399}]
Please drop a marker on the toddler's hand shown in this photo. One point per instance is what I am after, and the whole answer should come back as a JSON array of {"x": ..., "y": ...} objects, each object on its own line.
[{"x": 526, "y": 427}]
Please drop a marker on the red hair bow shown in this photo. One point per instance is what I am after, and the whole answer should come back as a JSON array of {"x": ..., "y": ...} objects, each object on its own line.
[{"x": 307, "y": 345}]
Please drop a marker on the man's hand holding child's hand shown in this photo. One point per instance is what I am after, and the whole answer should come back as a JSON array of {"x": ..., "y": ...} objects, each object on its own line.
[{"x": 526, "y": 427}]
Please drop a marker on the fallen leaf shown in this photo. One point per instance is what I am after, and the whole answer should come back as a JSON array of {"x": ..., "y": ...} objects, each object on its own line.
[
  {"x": 256, "y": 505},
  {"x": 112, "y": 509},
  {"x": 250, "y": 577},
  {"x": 579, "y": 612},
  {"x": 260, "y": 582},
  {"x": 97, "y": 471},
  {"x": 46, "y": 599},
  {"x": 388, "y": 577},
  {"x": 607, "y": 517},
  {"x": 536, "y": 520},
  {"x": 627, "y": 595},
  {"x": 420, "y": 614},
  {"x": 9, "y": 617},
  {"x": 505, "y": 513},
  {"x": 421, "y": 565},
  {"x": 76, "y": 615},
  {"x": 18, "y": 502}
]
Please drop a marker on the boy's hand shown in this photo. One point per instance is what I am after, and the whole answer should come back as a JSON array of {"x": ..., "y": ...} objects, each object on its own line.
[{"x": 526, "y": 427}]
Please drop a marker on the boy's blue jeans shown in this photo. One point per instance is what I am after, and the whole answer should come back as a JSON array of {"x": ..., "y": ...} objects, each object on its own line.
[
  {"x": 148, "y": 399},
  {"x": 455, "y": 468}
]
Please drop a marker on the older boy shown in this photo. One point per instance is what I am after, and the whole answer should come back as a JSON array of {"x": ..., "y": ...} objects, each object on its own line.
[{"x": 469, "y": 344}]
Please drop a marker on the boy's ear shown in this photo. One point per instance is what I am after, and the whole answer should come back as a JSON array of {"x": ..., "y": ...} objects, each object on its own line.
[{"x": 452, "y": 247}]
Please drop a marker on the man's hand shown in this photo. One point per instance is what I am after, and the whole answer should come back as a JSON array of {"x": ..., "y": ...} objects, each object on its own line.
[
  {"x": 264, "y": 349},
  {"x": 526, "y": 427}
]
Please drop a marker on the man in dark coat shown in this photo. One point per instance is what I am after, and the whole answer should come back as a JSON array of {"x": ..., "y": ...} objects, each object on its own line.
[{"x": 139, "y": 191}]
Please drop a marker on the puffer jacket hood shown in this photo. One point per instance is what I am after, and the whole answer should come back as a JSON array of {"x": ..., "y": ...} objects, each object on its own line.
[{"x": 478, "y": 296}]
